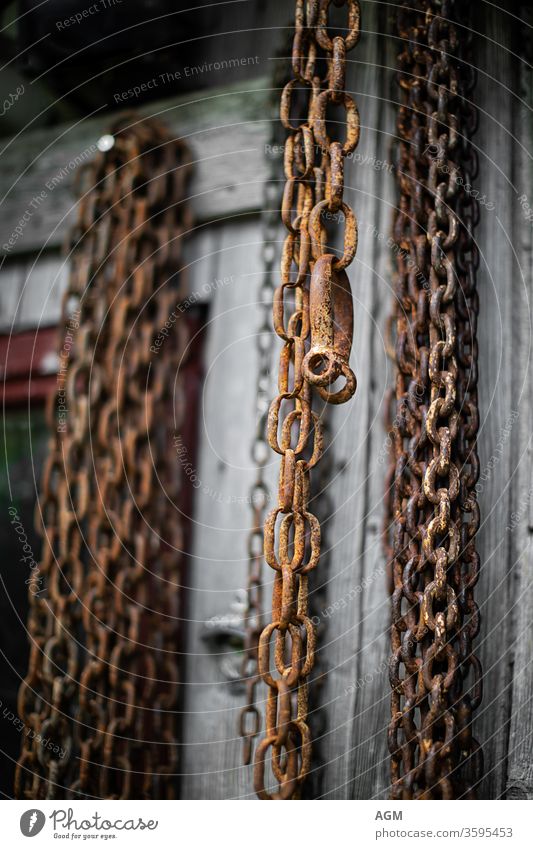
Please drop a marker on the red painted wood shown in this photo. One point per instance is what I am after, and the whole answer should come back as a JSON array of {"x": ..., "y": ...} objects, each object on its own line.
[{"x": 27, "y": 365}]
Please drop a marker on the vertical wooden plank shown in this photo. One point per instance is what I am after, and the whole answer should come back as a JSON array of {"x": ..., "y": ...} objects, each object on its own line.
[
  {"x": 12, "y": 277},
  {"x": 358, "y": 608},
  {"x": 497, "y": 432},
  {"x": 355, "y": 613},
  {"x": 356, "y": 616},
  {"x": 45, "y": 281},
  {"x": 212, "y": 754},
  {"x": 520, "y": 525}
]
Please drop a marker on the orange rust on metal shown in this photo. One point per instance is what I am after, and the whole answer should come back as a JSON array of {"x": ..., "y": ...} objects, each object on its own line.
[
  {"x": 432, "y": 514},
  {"x": 331, "y": 320},
  {"x": 322, "y": 309},
  {"x": 102, "y": 682}
]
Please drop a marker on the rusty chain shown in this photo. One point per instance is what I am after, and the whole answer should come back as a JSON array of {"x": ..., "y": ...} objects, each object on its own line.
[
  {"x": 249, "y": 719},
  {"x": 313, "y": 315},
  {"x": 433, "y": 512},
  {"x": 102, "y": 681}
]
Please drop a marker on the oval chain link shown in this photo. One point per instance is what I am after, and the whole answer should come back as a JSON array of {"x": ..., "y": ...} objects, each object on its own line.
[
  {"x": 432, "y": 516},
  {"x": 99, "y": 701},
  {"x": 313, "y": 316}
]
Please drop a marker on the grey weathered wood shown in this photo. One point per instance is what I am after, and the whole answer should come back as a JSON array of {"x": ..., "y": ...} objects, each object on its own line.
[
  {"x": 44, "y": 283},
  {"x": 224, "y": 269},
  {"x": 356, "y": 769},
  {"x": 211, "y": 759},
  {"x": 495, "y": 591},
  {"x": 520, "y": 527},
  {"x": 225, "y": 129},
  {"x": 32, "y": 286},
  {"x": 30, "y": 292},
  {"x": 12, "y": 281},
  {"x": 355, "y": 643}
]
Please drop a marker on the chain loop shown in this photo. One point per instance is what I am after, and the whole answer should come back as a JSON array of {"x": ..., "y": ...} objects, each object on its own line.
[
  {"x": 313, "y": 315},
  {"x": 432, "y": 515},
  {"x": 102, "y": 684}
]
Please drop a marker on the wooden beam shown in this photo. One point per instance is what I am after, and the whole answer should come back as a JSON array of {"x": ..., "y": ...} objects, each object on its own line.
[{"x": 227, "y": 130}]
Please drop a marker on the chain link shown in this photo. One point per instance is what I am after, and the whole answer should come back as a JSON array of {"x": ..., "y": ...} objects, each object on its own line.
[
  {"x": 313, "y": 315},
  {"x": 250, "y": 719},
  {"x": 432, "y": 513},
  {"x": 102, "y": 682}
]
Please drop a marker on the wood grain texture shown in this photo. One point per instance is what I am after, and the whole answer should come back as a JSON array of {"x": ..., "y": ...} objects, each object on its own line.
[
  {"x": 497, "y": 432},
  {"x": 228, "y": 132},
  {"x": 211, "y": 758},
  {"x": 355, "y": 640},
  {"x": 519, "y": 783},
  {"x": 224, "y": 128},
  {"x": 32, "y": 286}
]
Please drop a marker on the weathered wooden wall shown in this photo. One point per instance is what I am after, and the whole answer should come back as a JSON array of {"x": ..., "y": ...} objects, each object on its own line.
[
  {"x": 513, "y": 776},
  {"x": 354, "y": 645},
  {"x": 228, "y": 132}
]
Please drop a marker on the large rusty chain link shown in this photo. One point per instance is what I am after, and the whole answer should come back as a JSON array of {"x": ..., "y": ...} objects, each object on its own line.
[
  {"x": 434, "y": 674},
  {"x": 102, "y": 681},
  {"x": 313, "y": 315}
]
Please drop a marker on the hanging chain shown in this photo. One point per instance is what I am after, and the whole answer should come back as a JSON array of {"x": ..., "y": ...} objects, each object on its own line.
[
  {"x": 102, "y": 680},
  {"x": 249, "y": 721},
  {"x": 313, "y": 315},
  {"x": 436, "y": 679}
]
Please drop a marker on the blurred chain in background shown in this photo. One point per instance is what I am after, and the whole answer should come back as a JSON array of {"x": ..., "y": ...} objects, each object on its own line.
[{"x": 99, "y": 700}]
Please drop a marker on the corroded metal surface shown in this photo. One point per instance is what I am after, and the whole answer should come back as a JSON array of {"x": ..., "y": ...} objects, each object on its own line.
[
  {"x": 103, "y": 677},
  {"x": 313, "y": 317},
  {"x": 433, "y": 513}
]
